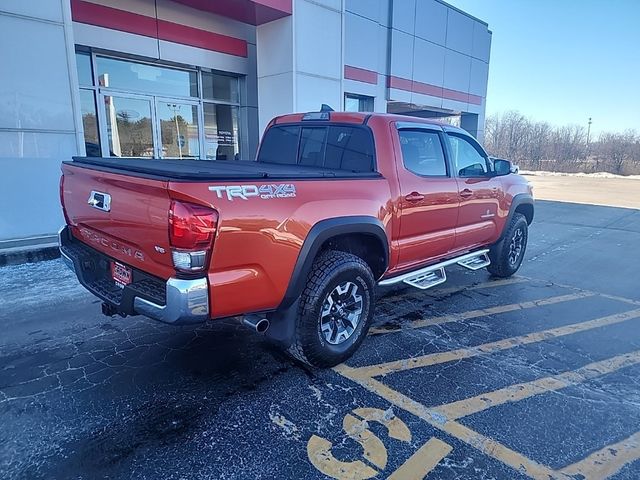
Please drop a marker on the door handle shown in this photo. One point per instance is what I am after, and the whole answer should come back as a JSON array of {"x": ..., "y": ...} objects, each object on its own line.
[
  {"x": 414, "y": 197},
  {"x": 466, "y": 193}
]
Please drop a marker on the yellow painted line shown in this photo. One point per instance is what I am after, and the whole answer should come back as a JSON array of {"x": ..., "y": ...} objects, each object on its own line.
[
  {"x": 481, "y": 442},
  {"x": 423, "y": 461},
  {"x": 483, "y": 312},
  {"x": 507, "y": 343},
  {"x": 520, "y": 391},
  {"x": 607, "y": 461},
  {"x": 437, "y": 292},
  {"x": 573, "y": 287}
]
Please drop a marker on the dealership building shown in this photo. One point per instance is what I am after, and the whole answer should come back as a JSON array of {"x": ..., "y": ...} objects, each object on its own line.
[{"x": 202, "y": 78}]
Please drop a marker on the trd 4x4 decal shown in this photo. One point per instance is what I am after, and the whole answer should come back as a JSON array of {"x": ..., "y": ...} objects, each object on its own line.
[{"x": 244, "y": 192}]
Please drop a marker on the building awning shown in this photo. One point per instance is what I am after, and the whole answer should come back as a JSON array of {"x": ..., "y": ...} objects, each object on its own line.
[{"x": 254, "y": 12}]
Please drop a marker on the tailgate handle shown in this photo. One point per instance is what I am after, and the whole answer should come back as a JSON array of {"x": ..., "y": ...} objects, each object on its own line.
[{"x": 99, "y": 200}]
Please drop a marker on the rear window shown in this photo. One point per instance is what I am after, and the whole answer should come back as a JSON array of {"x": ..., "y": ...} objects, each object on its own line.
[
  {"x": 335, "y": 147},
  {"x": 280, "y": 145}
]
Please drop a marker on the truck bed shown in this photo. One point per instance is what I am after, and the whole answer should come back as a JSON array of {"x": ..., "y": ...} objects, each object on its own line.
[{"x": 210, "y": 170}]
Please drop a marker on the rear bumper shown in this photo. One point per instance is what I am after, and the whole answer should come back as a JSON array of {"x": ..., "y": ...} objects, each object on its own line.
[{"x": 176, "y": 301}]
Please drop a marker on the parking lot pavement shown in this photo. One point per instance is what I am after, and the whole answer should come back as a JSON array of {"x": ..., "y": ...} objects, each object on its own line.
[{"x": 530, "y": 377}]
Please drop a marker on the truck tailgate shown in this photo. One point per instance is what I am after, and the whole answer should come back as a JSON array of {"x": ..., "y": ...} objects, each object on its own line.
[{"x": 122, "y": 216}]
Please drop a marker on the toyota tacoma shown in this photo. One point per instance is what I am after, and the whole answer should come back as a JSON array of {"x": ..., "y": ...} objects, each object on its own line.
[{"x": 295, "y": 242}]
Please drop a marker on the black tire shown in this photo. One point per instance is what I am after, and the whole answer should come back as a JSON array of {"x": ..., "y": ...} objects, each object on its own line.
[
  {"x": 331, "y": 272},
  {"x": 506, "y": 257}
]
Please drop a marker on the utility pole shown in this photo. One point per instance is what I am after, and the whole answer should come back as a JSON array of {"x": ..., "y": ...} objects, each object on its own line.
[
  {"x": 588, "y": 134},
  {"x": 175, "y": 109}
]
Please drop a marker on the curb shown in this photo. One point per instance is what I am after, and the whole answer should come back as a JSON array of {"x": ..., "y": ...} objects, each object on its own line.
[{"x": 28, "y": 256}]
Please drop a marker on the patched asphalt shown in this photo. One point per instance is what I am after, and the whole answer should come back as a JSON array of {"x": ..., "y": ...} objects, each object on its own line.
[{"x": 536, "y": 377}]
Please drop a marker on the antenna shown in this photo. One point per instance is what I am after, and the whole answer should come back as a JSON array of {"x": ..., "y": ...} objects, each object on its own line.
[{"x": 326, "y": 108}]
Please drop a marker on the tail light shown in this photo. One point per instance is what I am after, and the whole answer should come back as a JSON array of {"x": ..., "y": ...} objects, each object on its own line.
[{"x": 192, "y": 229}]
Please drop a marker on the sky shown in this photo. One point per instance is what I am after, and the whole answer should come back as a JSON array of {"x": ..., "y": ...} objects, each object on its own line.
[{"x": 563, "y": 61}]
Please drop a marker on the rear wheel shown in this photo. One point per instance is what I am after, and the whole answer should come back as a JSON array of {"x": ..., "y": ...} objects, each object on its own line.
[
  {"x": 506, "y": 256},
  {"x": 335, "y": 311}
]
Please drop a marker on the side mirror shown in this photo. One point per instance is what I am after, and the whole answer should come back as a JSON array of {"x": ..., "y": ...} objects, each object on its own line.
[{"x": 504, "y": 167}]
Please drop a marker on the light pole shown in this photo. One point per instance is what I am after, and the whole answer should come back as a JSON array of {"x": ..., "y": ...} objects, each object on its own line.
[
  {"x": 175, "y": 108},
  {"x": 588, "y": 134}
]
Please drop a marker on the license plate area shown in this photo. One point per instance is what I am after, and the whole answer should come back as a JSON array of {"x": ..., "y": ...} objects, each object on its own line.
[{"x": 121, "y": 274}]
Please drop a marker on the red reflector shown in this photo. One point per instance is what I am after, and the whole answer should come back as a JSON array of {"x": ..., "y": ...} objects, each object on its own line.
[{"x": 191, "y": 226}]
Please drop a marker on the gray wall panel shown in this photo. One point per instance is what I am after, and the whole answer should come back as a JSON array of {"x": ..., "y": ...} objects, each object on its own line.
[
  {"x": 431, "y": 21},
  {"x": 459, "y": 32},
  {"x": 428, "y": 62},
  {"x": 457, "y": 71}
]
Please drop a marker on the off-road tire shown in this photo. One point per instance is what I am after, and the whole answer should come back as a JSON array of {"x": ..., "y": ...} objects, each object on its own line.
[
  {"x": 499, "y": 254},
  {"x": 330, "y": 269}
]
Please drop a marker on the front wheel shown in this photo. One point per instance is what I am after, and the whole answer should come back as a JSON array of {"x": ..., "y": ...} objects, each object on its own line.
[
  {"x": 336, "y": 310},
  {"x": 506, "y": 256}
]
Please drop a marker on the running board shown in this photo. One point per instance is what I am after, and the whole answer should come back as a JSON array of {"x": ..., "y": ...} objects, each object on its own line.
[{"x": 433, "y": 275}]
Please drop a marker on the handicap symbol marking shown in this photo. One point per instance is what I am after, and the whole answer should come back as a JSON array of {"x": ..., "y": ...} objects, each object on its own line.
[{"x": 375, "y": 456}]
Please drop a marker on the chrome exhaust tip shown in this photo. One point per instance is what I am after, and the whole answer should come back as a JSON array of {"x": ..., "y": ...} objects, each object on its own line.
[{"x": 256, "y": 323}]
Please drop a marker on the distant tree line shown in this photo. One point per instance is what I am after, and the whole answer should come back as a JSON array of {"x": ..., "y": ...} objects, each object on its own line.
[{"x": 537, "y": 145}]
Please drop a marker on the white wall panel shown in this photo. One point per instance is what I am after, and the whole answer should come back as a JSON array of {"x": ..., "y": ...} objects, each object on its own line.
[
  {"x": 113, "y": 40},
  {"x": 361, "y": 35},
  {"x": 275, "y": 47},
  {"x": 184, "y": 54},
  {"x": 401, "y": 54},
  {"x": 312, "y": 92},
  {"x": 404, "y": 15},
  {"x": 318, "y": 39},
  {"x": 428, "y": 62},
  {"x": 481, "y": 42},
  {"x": 431, "y": 21},
  {"x": 29, "y": 182},
  {"x": 37, "y": 95},
  {"x": 457, "y": 71},
  {"x": 44, "y": 9},
  {"x": 479, "y": 77},
  {"x": 459, "y": 32},
  {"x": 376, "y": 10}
]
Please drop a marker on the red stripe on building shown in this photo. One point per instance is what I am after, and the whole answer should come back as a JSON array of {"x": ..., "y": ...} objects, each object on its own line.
[
  {"x": 115, "y": 19},
  {"x": 101, "y": 16},
  {"x": 432, "y": 90},
  {"x": 174, "y": 32},
  {"x": 360, "y": 74}
]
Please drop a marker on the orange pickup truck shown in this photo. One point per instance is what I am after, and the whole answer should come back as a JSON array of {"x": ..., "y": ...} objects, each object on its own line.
[{"x": 295, "y": 242}]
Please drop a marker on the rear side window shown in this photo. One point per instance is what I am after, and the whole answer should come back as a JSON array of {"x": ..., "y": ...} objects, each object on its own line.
[
  {"x": 349, "y": 148},
  {"x": 336, "y": 147},
  {"x": 280, "y": 145},
  {"x": 422, "y": 153}
]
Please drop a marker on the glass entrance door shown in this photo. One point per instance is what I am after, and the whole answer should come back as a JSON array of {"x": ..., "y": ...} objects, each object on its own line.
[
  {"x": 129, "y": 122},
  {"x": 178, "y": 125},
  {"x": 148, "y": 126}
]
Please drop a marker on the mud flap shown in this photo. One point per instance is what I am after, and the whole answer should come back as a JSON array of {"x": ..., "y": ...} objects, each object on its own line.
[{"x": 283, "y": 324}]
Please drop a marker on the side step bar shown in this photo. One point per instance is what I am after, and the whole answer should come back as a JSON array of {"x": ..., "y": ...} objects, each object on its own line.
[{"x": 433, "y": 275}]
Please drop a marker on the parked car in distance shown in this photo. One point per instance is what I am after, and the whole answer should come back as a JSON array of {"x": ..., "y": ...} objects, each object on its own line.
[{"x": 296, "y": 241}]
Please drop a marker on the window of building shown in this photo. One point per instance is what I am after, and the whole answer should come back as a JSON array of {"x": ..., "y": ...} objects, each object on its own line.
[
  {"x": 422, "y": 152},
  {"x": 90, "y": 122},
  {"x": 221, "y": 135},
  {"x": 220, "y": 87},
  {"x": 144, "y": 78},
  {"x": 358, "y": 103},
  {"x": 468, "y": 159},
  {"x": 156, "y": 111},
  {"x": 336, "y": 147}
]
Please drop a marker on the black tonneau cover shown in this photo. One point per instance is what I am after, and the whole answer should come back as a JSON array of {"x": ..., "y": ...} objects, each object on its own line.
[{"x": 207, "y": 170}]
